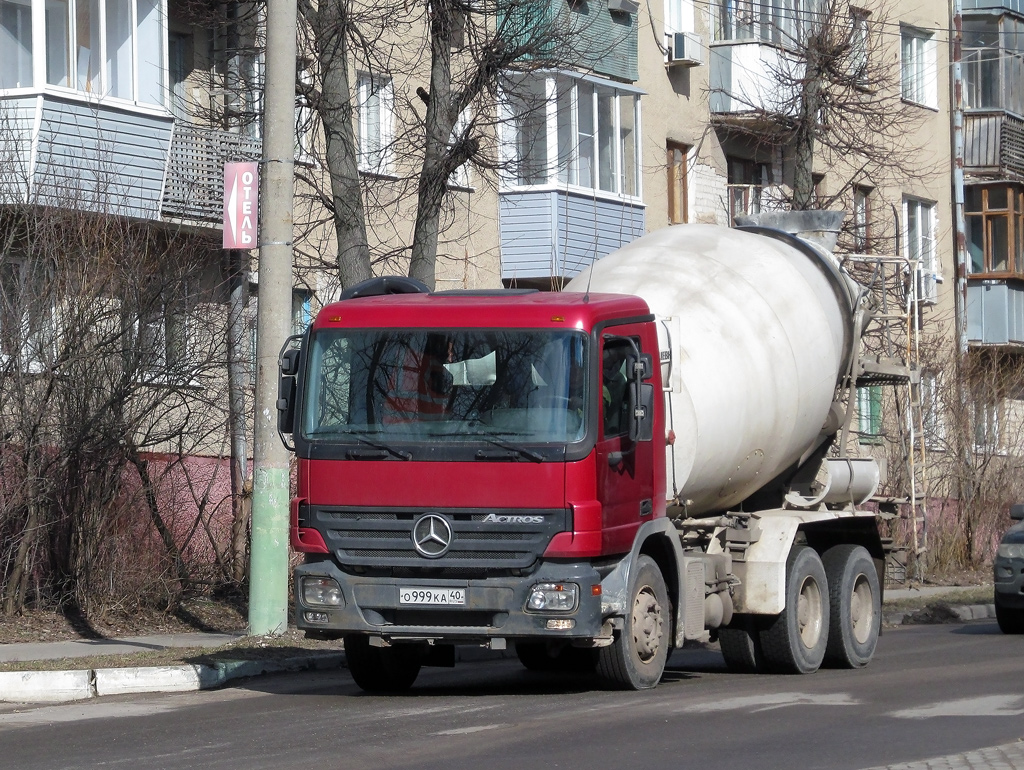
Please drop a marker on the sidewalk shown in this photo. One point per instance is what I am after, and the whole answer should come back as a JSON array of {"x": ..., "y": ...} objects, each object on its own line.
[{"x": 78, "y": 684}]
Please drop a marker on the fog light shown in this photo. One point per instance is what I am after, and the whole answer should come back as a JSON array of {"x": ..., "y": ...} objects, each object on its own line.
[
  {"x": 561, "y": 624},
  {"x": 324, "y": 592},
  {"x": 315, "y": 617},
  {"x": 552, "y": 597}
]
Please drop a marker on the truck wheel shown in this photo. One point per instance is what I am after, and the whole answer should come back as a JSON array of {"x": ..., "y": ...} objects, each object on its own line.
[
  {"x": 741, "y": 645},
  {"x": 1010, "y": 619},
  {"x": 855, "y": 606},
  {"x": 794, "y": 642},
  {"x": 382, "y": 669},
  {"x": 636, "y": 659}
]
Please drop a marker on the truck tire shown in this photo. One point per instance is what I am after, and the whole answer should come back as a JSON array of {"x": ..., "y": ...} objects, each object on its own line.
[
  {"x": 637, "y": 657},
  {"x": 855, "y": 606},
  {"x": 382, "y": 669},
  {"x": 794, "y": 641},
  {"x": 1010, "y": 619},
  {"x": 741, "y": 645}
]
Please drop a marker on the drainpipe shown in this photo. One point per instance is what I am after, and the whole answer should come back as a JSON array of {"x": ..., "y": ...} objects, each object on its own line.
[{"x": 958, "y": 180}]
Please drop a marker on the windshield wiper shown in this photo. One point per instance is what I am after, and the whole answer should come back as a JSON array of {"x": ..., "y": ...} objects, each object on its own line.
[
  {"x": 383, "y": 449},
  {"x": 514, "y": 451}
]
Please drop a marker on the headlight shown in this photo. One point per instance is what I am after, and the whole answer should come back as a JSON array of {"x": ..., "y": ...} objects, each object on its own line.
[
  {"x": 321, "y": 592},
  {"x": 1011, "y": 551},
  {"x": 553, "y": 597}
]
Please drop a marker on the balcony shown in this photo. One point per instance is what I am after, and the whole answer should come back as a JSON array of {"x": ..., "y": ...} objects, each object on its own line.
[
  {"x": 751, "y": 79},
  {"x": 1017, "y": 6},
  {"x": 994, "y": 145},
  {"x": 995, "y": 312},
  {"x": 549, "y": 233},
  {"x": 194, "y": 188},
  {"x": 81, "y": 154}
]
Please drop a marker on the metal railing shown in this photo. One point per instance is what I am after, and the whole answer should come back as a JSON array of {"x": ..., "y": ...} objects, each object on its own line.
[{"x": 194, "y": 187}]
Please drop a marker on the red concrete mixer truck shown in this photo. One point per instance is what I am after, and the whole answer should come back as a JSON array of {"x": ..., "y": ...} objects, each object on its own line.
[{"x": 596, "y": 476}]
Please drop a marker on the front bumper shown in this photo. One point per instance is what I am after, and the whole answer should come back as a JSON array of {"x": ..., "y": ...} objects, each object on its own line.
[
  {"x": 1009, "y": 582},
  {"x": 494, "y": 608}
]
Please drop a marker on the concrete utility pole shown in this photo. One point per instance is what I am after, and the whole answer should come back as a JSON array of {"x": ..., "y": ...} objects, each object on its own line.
[{"x": 268, "y": 566}]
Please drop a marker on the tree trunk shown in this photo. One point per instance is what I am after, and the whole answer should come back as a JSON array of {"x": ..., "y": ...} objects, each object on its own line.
[
  {"x": 335, "y": 108},
  {"x": 180, "y": 569},
  {"x": 806, "y": 131},
  {"x": 437, "y": 161},
  {"x": 17, "y": 581}
]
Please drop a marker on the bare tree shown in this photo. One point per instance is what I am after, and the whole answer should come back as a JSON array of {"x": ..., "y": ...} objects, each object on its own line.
[
  {"x": 112, "y": 388},
  {"x": 834, "y": 97},
  {"x": 976, "y": 426}
]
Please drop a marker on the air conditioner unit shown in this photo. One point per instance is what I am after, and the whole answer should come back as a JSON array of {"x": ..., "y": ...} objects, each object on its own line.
[
  {"x": 624, "y": 6},
  {"x": 685, "y": 49}
]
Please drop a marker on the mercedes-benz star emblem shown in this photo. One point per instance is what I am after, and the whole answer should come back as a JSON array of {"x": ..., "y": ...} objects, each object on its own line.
[{"x": 432, "y": 536}]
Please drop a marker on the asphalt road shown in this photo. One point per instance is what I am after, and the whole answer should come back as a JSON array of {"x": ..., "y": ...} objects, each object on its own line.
[{"x": 931, "y": 691}]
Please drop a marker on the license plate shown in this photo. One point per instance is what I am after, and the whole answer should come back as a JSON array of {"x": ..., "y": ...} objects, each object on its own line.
[{"x": 426, "y": 595}]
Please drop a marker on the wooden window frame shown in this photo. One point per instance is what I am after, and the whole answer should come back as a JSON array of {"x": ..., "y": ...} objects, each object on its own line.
[
  {"x": 1014, "y": 214},
  {"x": 678, "y": 183}
]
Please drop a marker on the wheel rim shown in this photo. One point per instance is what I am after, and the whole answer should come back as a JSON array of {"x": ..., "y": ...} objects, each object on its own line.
[
  {"x": 862, "y": 610},
  {"x": 809, "y": 613},
  {"x": 647, "y": 624}
]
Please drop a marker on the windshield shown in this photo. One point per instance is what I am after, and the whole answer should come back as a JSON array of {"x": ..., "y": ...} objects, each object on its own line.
[{"x": 499, "y": 387}]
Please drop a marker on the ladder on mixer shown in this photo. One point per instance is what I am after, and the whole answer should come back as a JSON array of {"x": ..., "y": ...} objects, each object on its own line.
[{"x": 890, "y": 354}]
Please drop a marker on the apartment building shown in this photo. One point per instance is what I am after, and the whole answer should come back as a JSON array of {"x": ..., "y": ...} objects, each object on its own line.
[{"x": 669, "y": 112}]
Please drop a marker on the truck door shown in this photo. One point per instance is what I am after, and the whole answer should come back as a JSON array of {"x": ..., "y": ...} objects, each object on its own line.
[{"x": 625, "y": 468}]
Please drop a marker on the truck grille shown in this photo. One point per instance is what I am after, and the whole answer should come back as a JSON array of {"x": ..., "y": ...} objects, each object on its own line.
[{"x": 480, "y": 539}]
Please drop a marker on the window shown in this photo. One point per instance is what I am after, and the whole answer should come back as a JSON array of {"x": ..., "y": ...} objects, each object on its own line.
[
  {"x": 931, "y": 406},
  {"x": 786, "y": 22},
  {"x": 305, "y": 115},
  {"x": 981, "y": 65},
  {"x": 678, "y": 17},
  {"x": 920, "y": 218},
  {"x": 27, "y": 318},
  {"x": 994, "y": 216},
  {"x": 374, "y": 106},
  {"x": 107, "y": 48},
  {"x": 869, "y": 414},
  {"x": 615, "y": 389},
  {"x": 986, "y": 425},
  {"x": 578, "y": 132},
  {"x": 746, "y": 181},
  {"x": 861, "y": 220},
  {"x": 302, "y": 310},
  {"x": 917, "y": 67},
  {"x": 164, "y": 337},
  {"x": 179, "y": 67},
  {"x": 993, "y": 64},
  {"x": 460, "y": 177},
  {"x": 15, "y": 44},
  {"x": 859, "y": 43},
  {"x": 677, "y": 183}
]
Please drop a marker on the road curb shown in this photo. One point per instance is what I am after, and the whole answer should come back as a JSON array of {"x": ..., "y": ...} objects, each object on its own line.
[{"x": 81, "y": 684}]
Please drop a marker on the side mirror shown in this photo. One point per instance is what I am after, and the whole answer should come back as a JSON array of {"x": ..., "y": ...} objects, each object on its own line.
[
  {"x": 289, "y": 363},
  {"x": 641, "y": 417},
  {"x": 1017, "y": 512}
]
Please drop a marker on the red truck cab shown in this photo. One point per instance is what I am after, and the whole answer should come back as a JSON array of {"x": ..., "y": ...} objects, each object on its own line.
[{"x": 472, "y": 467}]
